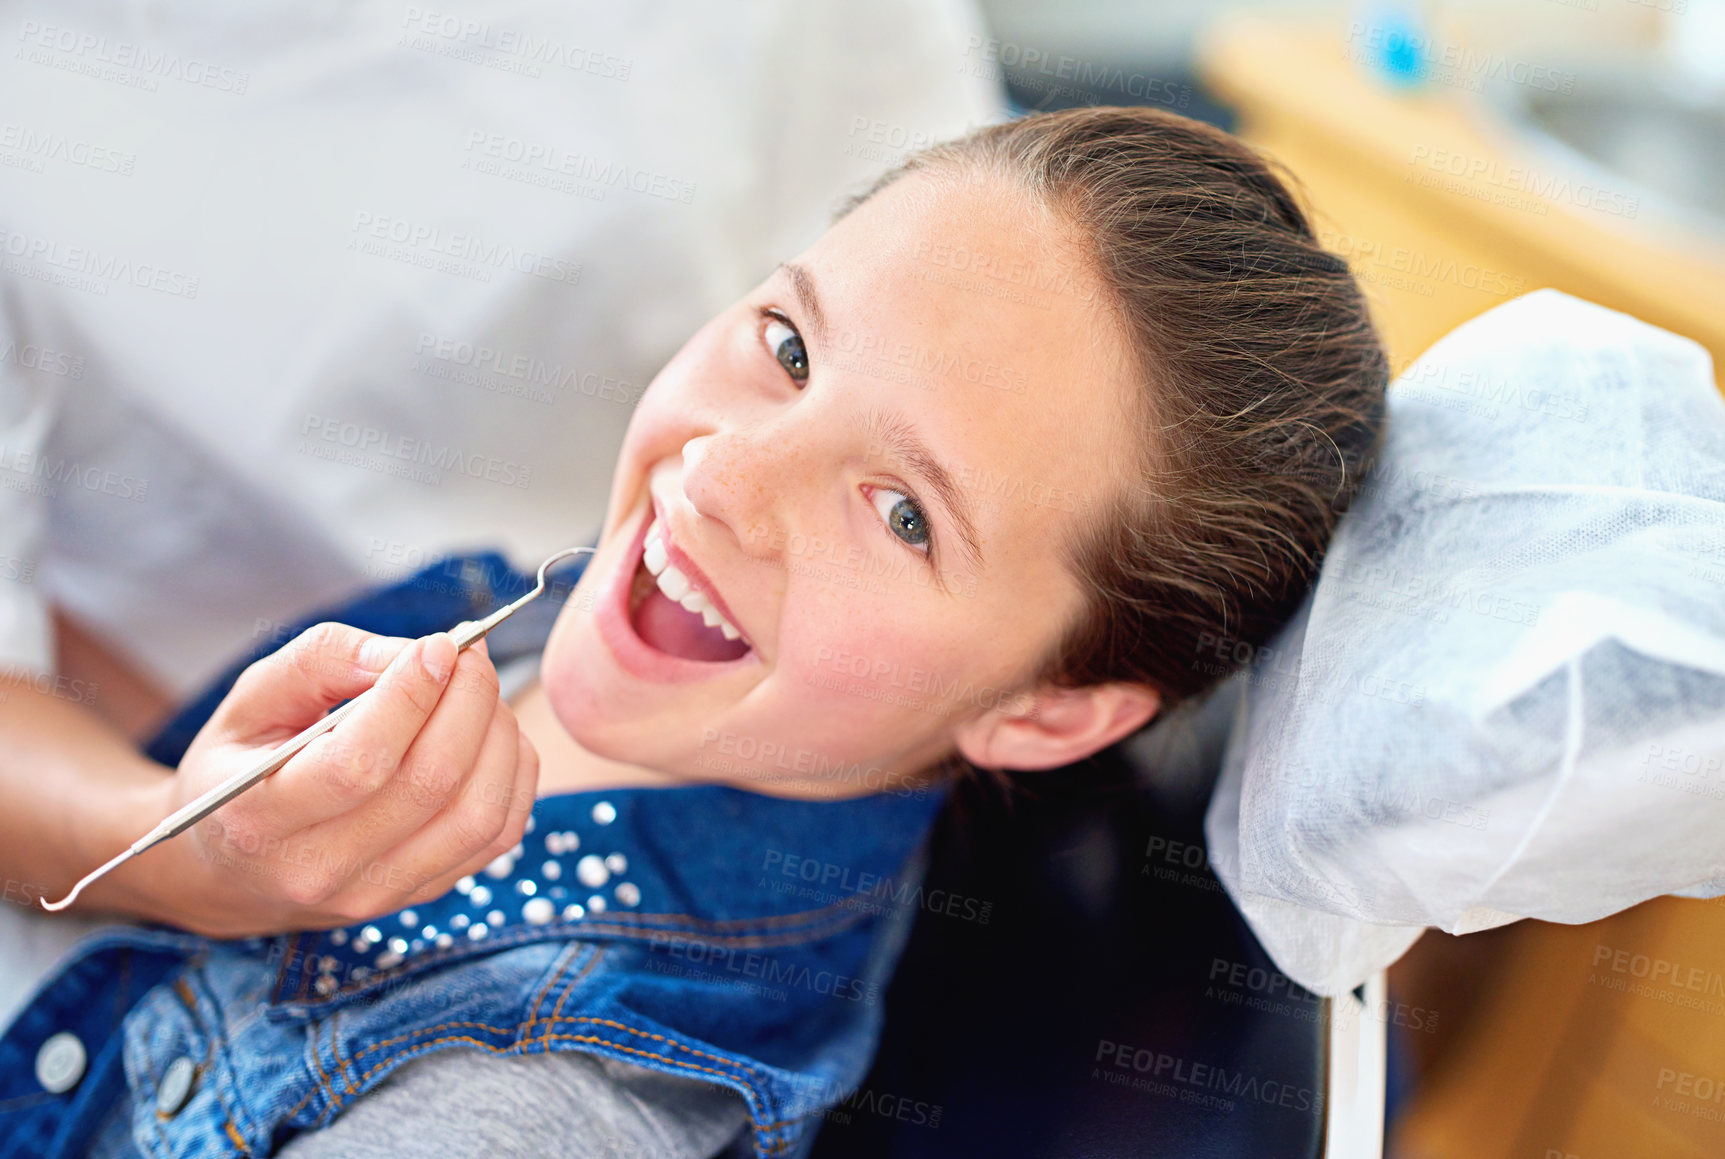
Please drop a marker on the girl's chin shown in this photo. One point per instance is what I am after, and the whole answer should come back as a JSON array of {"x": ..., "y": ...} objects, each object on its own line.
[
  {"x": 602, "y": 709},
  {"x": 574, "y": 675}
]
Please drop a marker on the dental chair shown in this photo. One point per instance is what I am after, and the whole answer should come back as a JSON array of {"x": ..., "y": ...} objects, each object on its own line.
[{"x": 1076, "y": 983}]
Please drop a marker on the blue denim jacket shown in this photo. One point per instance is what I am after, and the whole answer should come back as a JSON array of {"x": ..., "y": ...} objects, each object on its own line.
[{"x": 701, "y": 930}]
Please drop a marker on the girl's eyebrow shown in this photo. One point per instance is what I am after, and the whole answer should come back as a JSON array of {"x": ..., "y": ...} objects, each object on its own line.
[
  {"x": 899, "y": 437},
  {"x": 803, "y": 285}
]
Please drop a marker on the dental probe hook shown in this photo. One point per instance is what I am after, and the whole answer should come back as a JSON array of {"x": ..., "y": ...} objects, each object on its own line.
[{"x": 464, "y": 634}]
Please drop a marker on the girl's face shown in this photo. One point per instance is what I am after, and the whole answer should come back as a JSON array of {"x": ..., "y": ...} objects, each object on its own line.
[{"x": 868, "y": 468}]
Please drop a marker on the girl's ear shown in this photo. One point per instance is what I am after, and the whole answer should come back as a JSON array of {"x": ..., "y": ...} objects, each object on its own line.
[{"x": 1057, "y": 727}]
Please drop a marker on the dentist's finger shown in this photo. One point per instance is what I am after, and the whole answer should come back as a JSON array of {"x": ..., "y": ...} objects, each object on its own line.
[
  {"x": 451, "y": 758},
  {"x": 295, "y": 685},
  {"x": 523, "y": 793},
  {"x": 478, "y": 825},
  {"x": 343, "y": 769},
  {"x": 439, "y": 765}
]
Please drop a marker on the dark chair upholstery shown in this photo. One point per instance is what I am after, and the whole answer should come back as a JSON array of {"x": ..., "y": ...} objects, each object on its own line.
[{"x": 1107, "y": 939}]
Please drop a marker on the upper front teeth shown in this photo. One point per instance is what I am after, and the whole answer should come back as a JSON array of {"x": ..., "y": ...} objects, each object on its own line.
[{"x": 677, "y": 587}]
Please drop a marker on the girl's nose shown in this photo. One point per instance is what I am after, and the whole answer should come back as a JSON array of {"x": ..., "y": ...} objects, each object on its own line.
[{"x": 752, "y": 479}]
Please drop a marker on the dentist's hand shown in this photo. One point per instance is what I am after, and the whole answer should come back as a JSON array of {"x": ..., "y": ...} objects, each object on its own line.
[{"x": 429, "y": 779}]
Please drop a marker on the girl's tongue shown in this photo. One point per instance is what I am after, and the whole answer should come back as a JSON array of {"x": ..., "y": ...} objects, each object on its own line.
[{"x": 672, "y": 628}]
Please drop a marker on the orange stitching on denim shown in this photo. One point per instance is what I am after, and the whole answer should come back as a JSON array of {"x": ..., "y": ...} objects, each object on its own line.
[
  {"x": 557, "y": 1011},
  {"x": 207, "y": 1068},
  {"x": 777, "y": 1123},
  {"x": 239, "y": 1139},
  {"x": 777, "y": 1147},
  {"x": 591, "y": 962},
  {"x": 156, "y": 1082},
  {"x": 335, "y": 1053},
  {"x": 433, "y": 1042},
  {"x": 597, "y": 1041},
  {"x": 657, "y": 1038},
  {"x": 543, "y": 1038},
  {"x": 295, "y": 1109},
  {"x": 150, "y": 1069},
  {"x": 432, "y": 1030},
  {"x": 589, "y": 1038},
  {"x": 569, "y": 954},
  {"x": 334, "y": 1099},
  {"x": 547, "y": 1037}
]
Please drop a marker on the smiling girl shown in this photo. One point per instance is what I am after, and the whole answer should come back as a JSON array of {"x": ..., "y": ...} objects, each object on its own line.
[
  {"x": 977, "y": 479},
  {"x": 1200, "y": 386}
]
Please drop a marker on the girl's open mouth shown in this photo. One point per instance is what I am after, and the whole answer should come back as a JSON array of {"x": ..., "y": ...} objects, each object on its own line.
[
  {"x": 671, "y": 614},
  {"x": 659, "y": 637}
]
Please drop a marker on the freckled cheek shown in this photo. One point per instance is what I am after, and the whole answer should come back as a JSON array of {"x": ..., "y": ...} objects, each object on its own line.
[
  {"x": 848, "y": 702},
  {"x": 853, "y": 682},
  {"x": 855, "y": 643}
]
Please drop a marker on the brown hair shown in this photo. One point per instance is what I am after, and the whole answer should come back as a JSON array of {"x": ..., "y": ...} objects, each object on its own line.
[{"x": 1263, "y": 386}]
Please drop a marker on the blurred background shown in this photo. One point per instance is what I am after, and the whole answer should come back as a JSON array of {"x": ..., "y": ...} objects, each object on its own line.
[
  {"x": 323, "y": 293},
  {"x": 1458, "y": 151}
]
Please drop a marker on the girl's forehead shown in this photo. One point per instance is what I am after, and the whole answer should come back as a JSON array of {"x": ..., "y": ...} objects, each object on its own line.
[{"x": 977, "y": 264}]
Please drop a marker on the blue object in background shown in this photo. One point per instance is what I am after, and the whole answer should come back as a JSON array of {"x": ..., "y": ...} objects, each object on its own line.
[{"x": 1395, "y": 43}]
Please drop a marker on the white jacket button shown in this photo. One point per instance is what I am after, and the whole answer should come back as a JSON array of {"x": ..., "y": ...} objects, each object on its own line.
[
  {"x": 176, "y": 1085},
  {"x": 60, "y": 1063}
]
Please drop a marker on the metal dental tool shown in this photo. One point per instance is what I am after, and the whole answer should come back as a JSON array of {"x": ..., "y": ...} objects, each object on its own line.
[{"x": 464, "y": 634}]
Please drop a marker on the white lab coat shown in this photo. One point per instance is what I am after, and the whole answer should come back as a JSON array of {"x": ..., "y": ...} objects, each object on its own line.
[{"x": 297, "y": 296}]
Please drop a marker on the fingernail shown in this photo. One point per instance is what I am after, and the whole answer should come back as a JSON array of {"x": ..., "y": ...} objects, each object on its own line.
[
  {"x": 376, "y": 653},
  {"x": 438, "y": 654}
]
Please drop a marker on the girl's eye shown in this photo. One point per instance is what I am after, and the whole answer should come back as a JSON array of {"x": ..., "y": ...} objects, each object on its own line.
[
  {"x": 787, "y": 346},
  {"x": 904, "y": 518}
]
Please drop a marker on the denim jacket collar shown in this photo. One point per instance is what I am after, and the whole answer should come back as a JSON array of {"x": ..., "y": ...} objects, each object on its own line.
[{"x": 695, "y": 864}]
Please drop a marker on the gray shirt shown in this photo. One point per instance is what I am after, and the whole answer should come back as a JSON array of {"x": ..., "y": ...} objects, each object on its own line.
[
  {"x": 469, "y": 1104},
  {"x": 464, "y": 1103}
]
